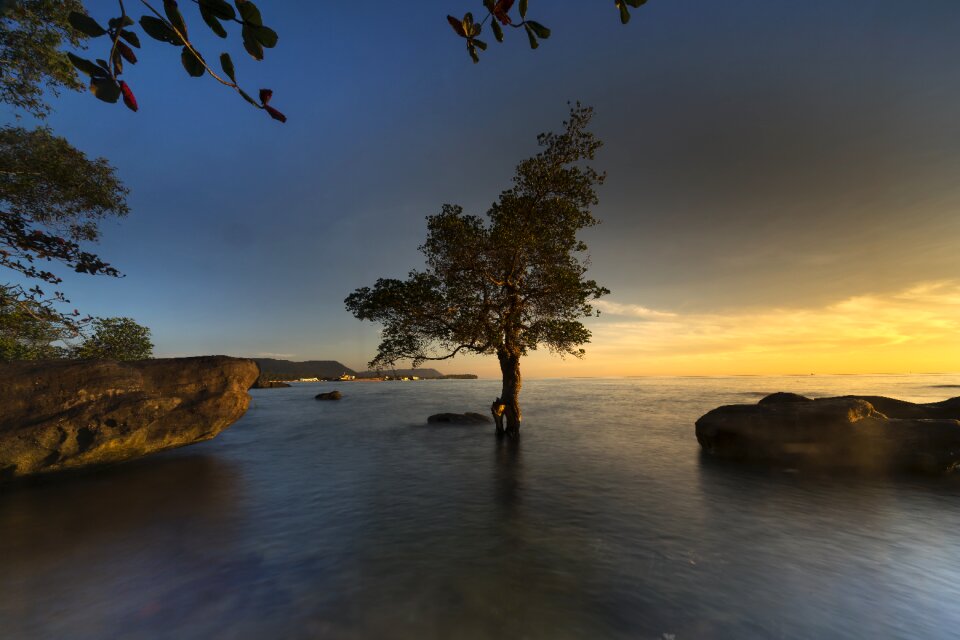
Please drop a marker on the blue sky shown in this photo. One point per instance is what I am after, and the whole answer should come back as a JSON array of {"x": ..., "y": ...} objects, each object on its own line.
[{"x": 763, "y": 158}]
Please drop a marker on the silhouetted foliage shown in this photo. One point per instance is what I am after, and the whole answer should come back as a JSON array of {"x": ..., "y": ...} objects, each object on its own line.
[
  {"x": 506, "y": 285},
  {"x": 498, "y": 14},
  {"x": 33, "y": 34},
  {"x": 170, "y": 27}
]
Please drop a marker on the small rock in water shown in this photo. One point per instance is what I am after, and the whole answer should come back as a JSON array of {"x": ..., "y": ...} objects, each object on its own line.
[
  {"x": 330, "y": 395},
  {"x": 783, "y": 396}
]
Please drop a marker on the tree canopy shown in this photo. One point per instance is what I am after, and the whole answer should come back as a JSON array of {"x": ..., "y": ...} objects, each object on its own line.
[
  {"x": 32, "y": 35},
  {"x": 52, "y": 198},
  {"x": 506, "y": 285},
  {"x": 27, "y": 329},
  {"x": 115, "y": 339}
]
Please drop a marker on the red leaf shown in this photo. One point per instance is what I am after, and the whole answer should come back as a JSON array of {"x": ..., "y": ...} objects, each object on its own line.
[
  {"x": 265, "y": 95},
  {"x": 276, "y": 115},
  {"x": 128, "y": 98},
  {"x": 457, "y": 26},
  {"x": 501, "y": 9}
]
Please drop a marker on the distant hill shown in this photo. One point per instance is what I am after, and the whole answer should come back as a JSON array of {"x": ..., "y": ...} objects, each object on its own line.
[
  {"x": 288, "y": 370},
  {"x": 425, "y": 374}
]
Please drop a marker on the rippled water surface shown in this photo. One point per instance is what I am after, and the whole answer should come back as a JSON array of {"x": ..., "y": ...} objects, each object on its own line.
[{"x": 353, "y": 519}]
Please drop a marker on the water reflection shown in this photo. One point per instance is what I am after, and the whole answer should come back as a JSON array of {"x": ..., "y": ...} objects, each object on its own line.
[
  {"x": 805, "y": 542},
  {"x": 508, "y": 474},
  {"x": 108, "y": 542},
  {"x": 309, "y": 520}
]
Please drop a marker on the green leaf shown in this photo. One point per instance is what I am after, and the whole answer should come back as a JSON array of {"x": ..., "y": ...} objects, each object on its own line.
[
  {"x": 472, "y": 50},
  {"x": 247, "y": 97},
  {"x": 265, "y": 36},
  {"x": 481, "y": 44},
  {"x": 249, "y": 12},
  {"x": 489, "y": 5},
  {"x": 531, "y": 36},
  {"x": 219, "y": 8},
  {"x": 130, "y": 37},
  {"x": 636, "y": 4},
  {"x": 126, "y": 52},
  {"x": 523, "y": 9},
  {"x": 159, "y": 30},
  {"x": 192, "y": 63},
  {"x": 175, "y": 17},
  {"x": 251, "y": 44},
  {"x": 227, "y": 65},
  {"x": 84, "y": 65},
  {"x": 124, "y": 21},
  {"x": 85, "y": 24},
  {"x": 212, "y": 22},
  {"x": 539, "y": 29},
  {"x": 497, "y": 30},
  {"x": 105, "y": 89},
  {"x": 624, "y": 12}
]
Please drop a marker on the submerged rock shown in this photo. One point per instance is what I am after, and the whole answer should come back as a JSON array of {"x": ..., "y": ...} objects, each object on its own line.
[
  {"x": 783, "y": 396},
  {"x": 330, "y": 395},
  {"x": 60, "y": 415},
  {"x": 871, "y": 432},
  {"x": 459, "y": 418}
]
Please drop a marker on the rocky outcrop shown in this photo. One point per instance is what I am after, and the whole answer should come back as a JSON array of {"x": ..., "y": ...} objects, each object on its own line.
[
  {"x": 64, "y": 415},
  {"x": 269, "y": 384},
  {"x": 330, "y": 395},
  {"x": 458, "y": 418},
  {"x": 871, "y": 432}
]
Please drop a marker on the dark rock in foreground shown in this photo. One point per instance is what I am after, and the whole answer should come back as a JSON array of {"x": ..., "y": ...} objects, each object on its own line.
[
  {"x": 62, "y": 415},
  {"x": 459, "y": 418},
  {"x": 330, "y": 395},
  {"x": 871, "y": 432}
]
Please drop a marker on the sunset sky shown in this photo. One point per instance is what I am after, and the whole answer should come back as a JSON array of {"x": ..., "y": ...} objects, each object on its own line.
[{"x": 783, "y": 192}]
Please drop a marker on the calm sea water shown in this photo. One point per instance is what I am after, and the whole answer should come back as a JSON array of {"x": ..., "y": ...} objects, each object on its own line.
[{"x": 353, "y": 519}]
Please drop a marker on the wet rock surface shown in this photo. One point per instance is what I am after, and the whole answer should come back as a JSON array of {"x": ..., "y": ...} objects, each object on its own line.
[
  {"x": 866, "y": 432},
  {"x": 62, "y": 415}
]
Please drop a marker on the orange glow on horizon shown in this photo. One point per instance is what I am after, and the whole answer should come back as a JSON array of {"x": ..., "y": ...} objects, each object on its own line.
[{"x": 912, "y": 331}]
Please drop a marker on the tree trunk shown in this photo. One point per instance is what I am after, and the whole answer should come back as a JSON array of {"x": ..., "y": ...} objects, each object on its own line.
[{"x": 509, "y": 396}]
